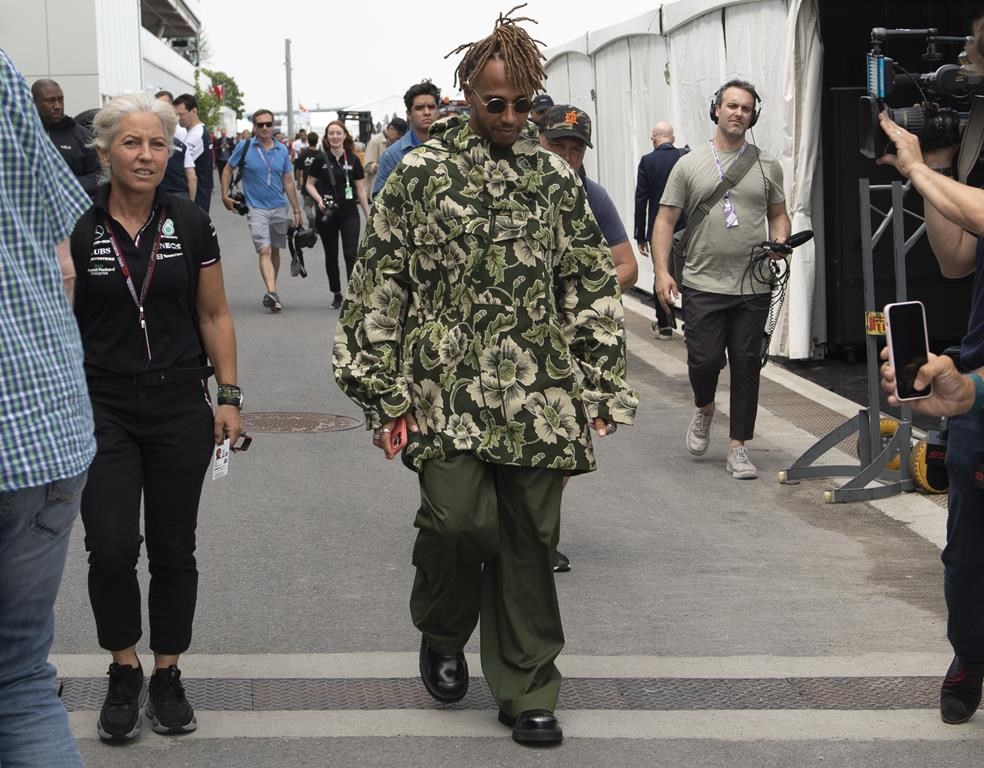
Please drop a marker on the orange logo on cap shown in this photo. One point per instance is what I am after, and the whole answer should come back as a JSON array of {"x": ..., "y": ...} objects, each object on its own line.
[{"x": 570, "y": 117}]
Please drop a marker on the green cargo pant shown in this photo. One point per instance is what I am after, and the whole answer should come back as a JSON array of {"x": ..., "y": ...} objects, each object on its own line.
[{"x": 486, "y": 542}]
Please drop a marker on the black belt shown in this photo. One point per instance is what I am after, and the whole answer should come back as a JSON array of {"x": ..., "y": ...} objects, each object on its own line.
[{"x": 184, "y": 372}]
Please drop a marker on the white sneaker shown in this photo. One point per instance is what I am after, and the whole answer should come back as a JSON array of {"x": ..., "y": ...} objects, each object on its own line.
[
  {"x": 739, "y": 465},
  {"x": 699, "y": 432}
]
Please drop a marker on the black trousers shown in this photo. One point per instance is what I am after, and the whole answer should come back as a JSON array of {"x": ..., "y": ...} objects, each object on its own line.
[
  {"x": 716, "y": 322},
  {"x": 154, "y": 441},
  {"x": 963, "y": 572},
  {"x": 346, "y": 223}
]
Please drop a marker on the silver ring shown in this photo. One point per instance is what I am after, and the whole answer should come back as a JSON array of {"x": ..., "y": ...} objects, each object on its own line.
[
  {"x": 384, "y": 430},
  {"x": 899, "y": 131}
]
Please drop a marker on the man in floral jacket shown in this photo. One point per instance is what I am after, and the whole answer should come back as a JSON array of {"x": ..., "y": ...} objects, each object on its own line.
[{"x": 482, "y": 289}]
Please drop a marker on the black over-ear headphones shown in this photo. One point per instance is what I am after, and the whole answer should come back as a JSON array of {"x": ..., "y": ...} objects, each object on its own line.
[{"x": 719, "y": 95}]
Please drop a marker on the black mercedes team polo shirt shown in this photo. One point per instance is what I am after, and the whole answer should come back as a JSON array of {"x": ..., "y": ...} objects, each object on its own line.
[{"x": 112, "y": 337}]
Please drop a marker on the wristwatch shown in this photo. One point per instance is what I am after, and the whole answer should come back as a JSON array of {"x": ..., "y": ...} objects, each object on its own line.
[{"x": 230, "y": 394}]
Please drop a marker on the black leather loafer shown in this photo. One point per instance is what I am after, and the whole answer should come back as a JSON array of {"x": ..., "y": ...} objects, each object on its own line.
[
  {"x": 445, "y": 677},
  {"x": 536, "y": 726}
]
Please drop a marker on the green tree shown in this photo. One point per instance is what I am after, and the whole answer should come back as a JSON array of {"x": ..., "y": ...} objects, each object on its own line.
[
  {"x": 208, "y": 105},
  {"x": 232, "y": 97}
]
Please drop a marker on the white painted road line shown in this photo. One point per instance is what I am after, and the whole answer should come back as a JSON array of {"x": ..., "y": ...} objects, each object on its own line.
[
  {"x": 720, "y": 725},
  {"x": 352, "y": 666}
]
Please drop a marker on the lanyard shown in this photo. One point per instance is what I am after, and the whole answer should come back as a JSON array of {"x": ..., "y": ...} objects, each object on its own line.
[
  {"x": 267, "y": 163},
  {"x": 140, "y": 300},
  {"x": 343, "y": 165},
  {"x": 720, "y": 168}
]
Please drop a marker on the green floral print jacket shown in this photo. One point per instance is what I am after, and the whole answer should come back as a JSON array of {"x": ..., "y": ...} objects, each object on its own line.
[{"x": 481, "y": 281}]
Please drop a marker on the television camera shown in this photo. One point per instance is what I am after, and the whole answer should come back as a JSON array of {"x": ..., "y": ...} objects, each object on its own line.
[{"x": 948, "y": 96}]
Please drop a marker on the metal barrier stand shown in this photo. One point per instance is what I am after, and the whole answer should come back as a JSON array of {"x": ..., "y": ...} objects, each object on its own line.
[{"x": 874, "y": 455}]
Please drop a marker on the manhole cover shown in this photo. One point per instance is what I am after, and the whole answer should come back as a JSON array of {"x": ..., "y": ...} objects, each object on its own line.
[{"x": 297, "y": 422}]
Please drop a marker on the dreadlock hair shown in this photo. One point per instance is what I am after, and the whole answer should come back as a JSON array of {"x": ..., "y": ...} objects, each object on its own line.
[{"x": 519, "y": 52}]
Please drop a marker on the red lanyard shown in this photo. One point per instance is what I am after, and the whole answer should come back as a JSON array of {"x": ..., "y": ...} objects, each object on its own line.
[{"x": 140, "y": 300}]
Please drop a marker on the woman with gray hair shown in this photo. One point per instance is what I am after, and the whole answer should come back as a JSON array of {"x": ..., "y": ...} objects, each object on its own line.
[{"x": 152, "y": 311}]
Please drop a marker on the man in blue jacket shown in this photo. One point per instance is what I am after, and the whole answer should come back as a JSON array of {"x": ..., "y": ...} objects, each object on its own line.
[{"x": 422, "y": 101}]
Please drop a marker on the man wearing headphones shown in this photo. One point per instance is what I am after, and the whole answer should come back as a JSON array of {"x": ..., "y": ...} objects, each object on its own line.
[{"x": 733, "y": 196}]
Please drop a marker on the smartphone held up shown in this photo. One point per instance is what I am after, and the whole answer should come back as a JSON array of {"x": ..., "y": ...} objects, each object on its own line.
[{"x": 908, "y": 346}]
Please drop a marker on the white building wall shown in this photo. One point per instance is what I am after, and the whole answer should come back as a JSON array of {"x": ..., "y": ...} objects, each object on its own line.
[
  {"x": 163, "y": 69},
  {"x": 95, "y": 49},
  {"x": 118, "y": 33},
  {"x": 55, "y": 39}
]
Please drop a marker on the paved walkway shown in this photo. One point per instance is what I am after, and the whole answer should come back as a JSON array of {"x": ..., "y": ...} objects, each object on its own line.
[{"x": 709, "y": 621}]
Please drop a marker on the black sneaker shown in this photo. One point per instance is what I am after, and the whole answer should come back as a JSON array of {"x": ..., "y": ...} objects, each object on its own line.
[
  {"x": 336, "y": 301},
  {"x": 167, "y": 708},
  {"x": 562, "y": 563},
  {"x": 120, "y": 717},
  {"x": 960, "y": 694}
]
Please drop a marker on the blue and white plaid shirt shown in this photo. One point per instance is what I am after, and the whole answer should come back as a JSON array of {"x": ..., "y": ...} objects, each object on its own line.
[{"x": 46, "y": 430}]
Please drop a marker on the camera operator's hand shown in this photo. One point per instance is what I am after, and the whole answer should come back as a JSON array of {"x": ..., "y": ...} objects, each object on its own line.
[
  {"x": 228, "y": 202},
  {"x": 907, "y": 150}
]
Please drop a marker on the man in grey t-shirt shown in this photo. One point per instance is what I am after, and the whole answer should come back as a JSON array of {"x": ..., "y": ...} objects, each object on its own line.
[{"x": 723, "y": 307}]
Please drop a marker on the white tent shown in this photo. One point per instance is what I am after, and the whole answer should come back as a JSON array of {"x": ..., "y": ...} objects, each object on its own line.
[{"x": 666, "y": 65}]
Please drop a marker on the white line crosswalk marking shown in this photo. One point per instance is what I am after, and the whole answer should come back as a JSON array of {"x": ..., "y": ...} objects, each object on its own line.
[
  {"x": 734, "y": 726},
  {"x": 404, "y": 665}
]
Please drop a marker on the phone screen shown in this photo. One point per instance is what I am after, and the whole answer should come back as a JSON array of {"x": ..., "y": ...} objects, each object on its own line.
[{"x": 909, "y": 346}]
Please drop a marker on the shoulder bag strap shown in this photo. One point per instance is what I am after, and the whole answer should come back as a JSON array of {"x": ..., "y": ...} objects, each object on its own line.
[
  {"x": 242, "y": 162},
  {"x": 331, "y": 171},
  {"x": 735, "y": 174}
]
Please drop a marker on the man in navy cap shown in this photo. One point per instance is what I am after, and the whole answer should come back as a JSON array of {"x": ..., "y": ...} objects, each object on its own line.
[
  {"x": 566, "y": 131},
  {"x": 541, "y": 105}
]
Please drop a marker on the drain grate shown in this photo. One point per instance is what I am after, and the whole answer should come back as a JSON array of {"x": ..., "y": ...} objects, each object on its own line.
[
  {"x": 288, "y": 421},
  {"x": 654, "y": 694}
]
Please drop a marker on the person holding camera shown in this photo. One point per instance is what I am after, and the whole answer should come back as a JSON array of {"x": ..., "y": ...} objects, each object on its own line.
[
  {"x": 954, "y": 214},
  {"x": 151, "y": 306},
  {"x": 336, "y": 182},
  {"x": 268, "y": 184}
]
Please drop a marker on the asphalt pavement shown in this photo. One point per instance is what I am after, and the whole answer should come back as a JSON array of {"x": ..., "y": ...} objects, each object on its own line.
[{"x": 709, "y": 621}]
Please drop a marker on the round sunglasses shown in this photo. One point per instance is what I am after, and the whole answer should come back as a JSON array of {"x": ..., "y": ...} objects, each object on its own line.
[{"x": 497, "y": 105}]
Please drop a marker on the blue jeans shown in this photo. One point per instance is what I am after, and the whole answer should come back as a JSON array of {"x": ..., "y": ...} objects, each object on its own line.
[
  {"x": 963, "y": 572},
  {"x": 35, "y": 524}
]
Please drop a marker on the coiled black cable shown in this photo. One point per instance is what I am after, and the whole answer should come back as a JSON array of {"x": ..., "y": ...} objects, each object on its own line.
[{"x": 768, "y": 268}]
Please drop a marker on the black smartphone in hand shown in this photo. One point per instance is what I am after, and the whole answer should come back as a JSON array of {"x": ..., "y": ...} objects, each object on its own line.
[{"x": 908, "y": 346}]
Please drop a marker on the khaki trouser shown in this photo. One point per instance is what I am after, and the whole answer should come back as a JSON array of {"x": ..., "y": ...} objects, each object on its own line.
[{"x": 486, "y": 543}]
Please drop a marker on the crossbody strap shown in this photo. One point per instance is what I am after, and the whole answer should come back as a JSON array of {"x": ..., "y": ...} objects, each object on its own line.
[
  {"x": 242, "y": 162},
  {"x": 331, "y": 171},
  {"x": 735, "y": 174}
]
